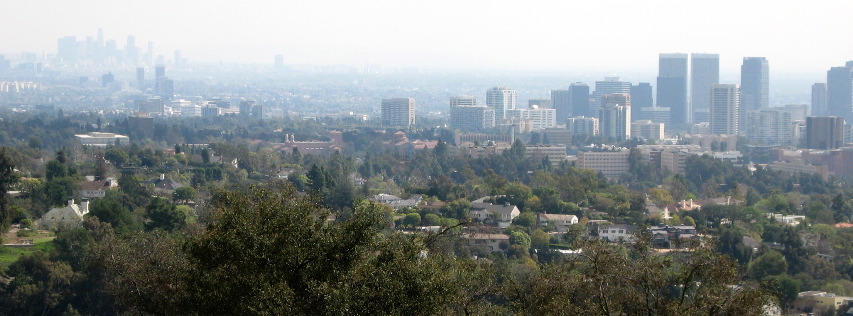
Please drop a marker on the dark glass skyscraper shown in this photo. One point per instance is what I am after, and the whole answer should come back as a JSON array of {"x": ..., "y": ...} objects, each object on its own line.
[
  {"x": 580, "y": 100},
  {"x": 672, "y": 88},
  {"x": 562, "y": 101},
  {"x": 754, "y": 83},
  {"x": 819, "y": 100},
  {"x": 704, "y": 72},
  {"x": 839, "y": 91},
  {"x": 641, "y": 97}
]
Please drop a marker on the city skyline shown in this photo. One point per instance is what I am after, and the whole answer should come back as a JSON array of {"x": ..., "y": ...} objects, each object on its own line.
[{"x": 325, "y": 32}]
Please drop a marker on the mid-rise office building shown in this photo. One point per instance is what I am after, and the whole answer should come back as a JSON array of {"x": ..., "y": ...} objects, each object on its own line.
[
  {"x": 648, "y": 130},
  {"x": 398, "y": 112},
  {"x": 462, "y": 100},
  {"x": 771, "y": 126},
  {"x": 725, "y": 109},
  {"x": 582, "y": 125},
  {"x": 824, "y": 132},
  {"x": 705, "y": 71},
  {"x": 610, "y": 163},
  {"x": 672, "y": 88},
  {"x": 472, "y": 118},
  {"x": 536, "y": 118},
  {"x": 615, "y": 116},
  {"x": 501, "y": 99}
]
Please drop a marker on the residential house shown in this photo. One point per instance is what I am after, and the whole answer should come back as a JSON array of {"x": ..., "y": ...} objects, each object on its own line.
[
  {"x": 164, "y": 185},
  {"x": 502, "y": 215},
  {"x": 669, "y": 237},
  {"x": 67, "y": 216},
  {"x": 616, "y": 232},
  {"x": 491, "y": 242},
  {"x": 92, "y": 188},
  {"x": 820, "y": 302},
  {"x": 560, "y": 221}
]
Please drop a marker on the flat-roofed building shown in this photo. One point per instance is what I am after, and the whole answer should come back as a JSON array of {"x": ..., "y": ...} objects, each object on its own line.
[{"x": 99, "y": 139}]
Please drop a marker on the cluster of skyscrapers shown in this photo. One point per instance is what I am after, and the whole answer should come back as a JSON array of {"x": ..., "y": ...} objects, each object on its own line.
[{"x": 99, "y": 50}]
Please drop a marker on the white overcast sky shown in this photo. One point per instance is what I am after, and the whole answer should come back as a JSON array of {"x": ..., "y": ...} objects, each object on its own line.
[{"x": 595, "y": 35}]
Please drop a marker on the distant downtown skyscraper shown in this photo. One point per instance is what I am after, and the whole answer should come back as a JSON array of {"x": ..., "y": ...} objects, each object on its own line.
[
  {"x": 610, "y": 85},
  {"x": 462, "y": 100},
  {"x": 819, "y": 100},
  {"x": 839, "y": 91},
  {"x": 501, "y": 99},
  {"x": 704, "y": 72},
  {"x": 641, "y": 97},
  {"x": 672, "y": 88},
  {"x": 580, "y": 101},
  {"x": 562, "y": 101},
  {"x": 398, "y": 112},
  {"x": 725, "y": 109},
  {"x": 824, "y": 132},
  {"x": 615, "y": 116},
  {"x": 754, "y": 84}
]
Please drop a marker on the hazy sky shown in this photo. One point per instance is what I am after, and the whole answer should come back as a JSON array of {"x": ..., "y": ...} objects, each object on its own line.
[{"x": 603, "y": 36}]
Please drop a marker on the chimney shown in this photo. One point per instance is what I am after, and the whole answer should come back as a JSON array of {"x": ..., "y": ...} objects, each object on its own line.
[
  {"x": 728, "y": 199},
  {"x": 162, "y": 176},
  {"x": 691, "y": 203},
  {"x": 84, "y": 206}
]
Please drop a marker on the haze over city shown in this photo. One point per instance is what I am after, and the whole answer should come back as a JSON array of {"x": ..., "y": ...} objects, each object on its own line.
[{"x": 607, "y": 37}]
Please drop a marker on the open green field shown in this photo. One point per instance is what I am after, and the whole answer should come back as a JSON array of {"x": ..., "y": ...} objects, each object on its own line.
[{"x": 43, "y": 242}]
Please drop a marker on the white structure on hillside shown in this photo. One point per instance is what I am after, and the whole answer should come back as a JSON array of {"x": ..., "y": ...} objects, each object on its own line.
[
  {"x": 99, "y": 139},
  {"x": 68, "y": 216}
]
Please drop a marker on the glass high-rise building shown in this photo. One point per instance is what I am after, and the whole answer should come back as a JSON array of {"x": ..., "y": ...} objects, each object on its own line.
[
  {"x": 754, "y": 84},
  {"x": 580, "y": 100},
  {"x": 819, "y": 100},
  {"x": 839, "y": 91},
  {"x": 641, "y": 97},
  {"x": 672, "y": 88},
  {"x": 704, "y": 72}
]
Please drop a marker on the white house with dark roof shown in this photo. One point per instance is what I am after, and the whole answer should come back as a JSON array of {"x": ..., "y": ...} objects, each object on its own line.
[
  {"x": 501, "y": 214},
  {"x": 560, "y": 221}
]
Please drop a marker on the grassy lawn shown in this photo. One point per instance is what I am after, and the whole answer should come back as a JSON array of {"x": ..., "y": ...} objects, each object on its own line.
[{"x": 43, "y": 242}]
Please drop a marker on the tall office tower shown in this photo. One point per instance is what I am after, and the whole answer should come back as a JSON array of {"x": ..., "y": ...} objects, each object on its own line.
[
  {"x": 140, "y": 78},
  {"x": 582, "y": 125},
  {"x": 398, "y": 112},
  {"x": 819, "y": 100},
  {"x": 672, "y": 88},
  {"x": 771, "y": 126},
  {"x": 178, "y": 59},
  {"x": 580, "y": 100},
  {"x": 159, "y": 76},
  {"x": 562, "y": 101},
  {"x": 725, "y": 109},
  {"x": 641, "y": 97},
  {"x": 107, "y": 79},
  {"x": 472, "y": 118},
  {"x": 462, "y": 100},
  {"x": 279, "y": 62},
  {"x": 754, "y": 84},
  {"x": 246, "y": 107},
  {"x": 839, "y": 91},
  {"x": 131, "y": 52},
  {"x": 149, "y": 55},
  {"x": 610, "y": 85},
  {"x": 501, "y": 99},
  {"x": 824, "y": 132},
  {"x": 615, "y": 116},
  {"x": 67, "y": 49},
  {"x": 705, "y": 71}
]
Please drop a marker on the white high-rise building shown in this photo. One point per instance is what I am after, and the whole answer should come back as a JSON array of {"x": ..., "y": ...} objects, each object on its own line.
[
  {"x": 610, "y": 85},
  {"x": 770, "y": 126},
  {"x": 398, "y": 112},
  {"x": 501, "y": 99},
  {"x": 725, "y": 109},
  {"x": 615, "y": 116},
  {"x": 537, "y": 118}
]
